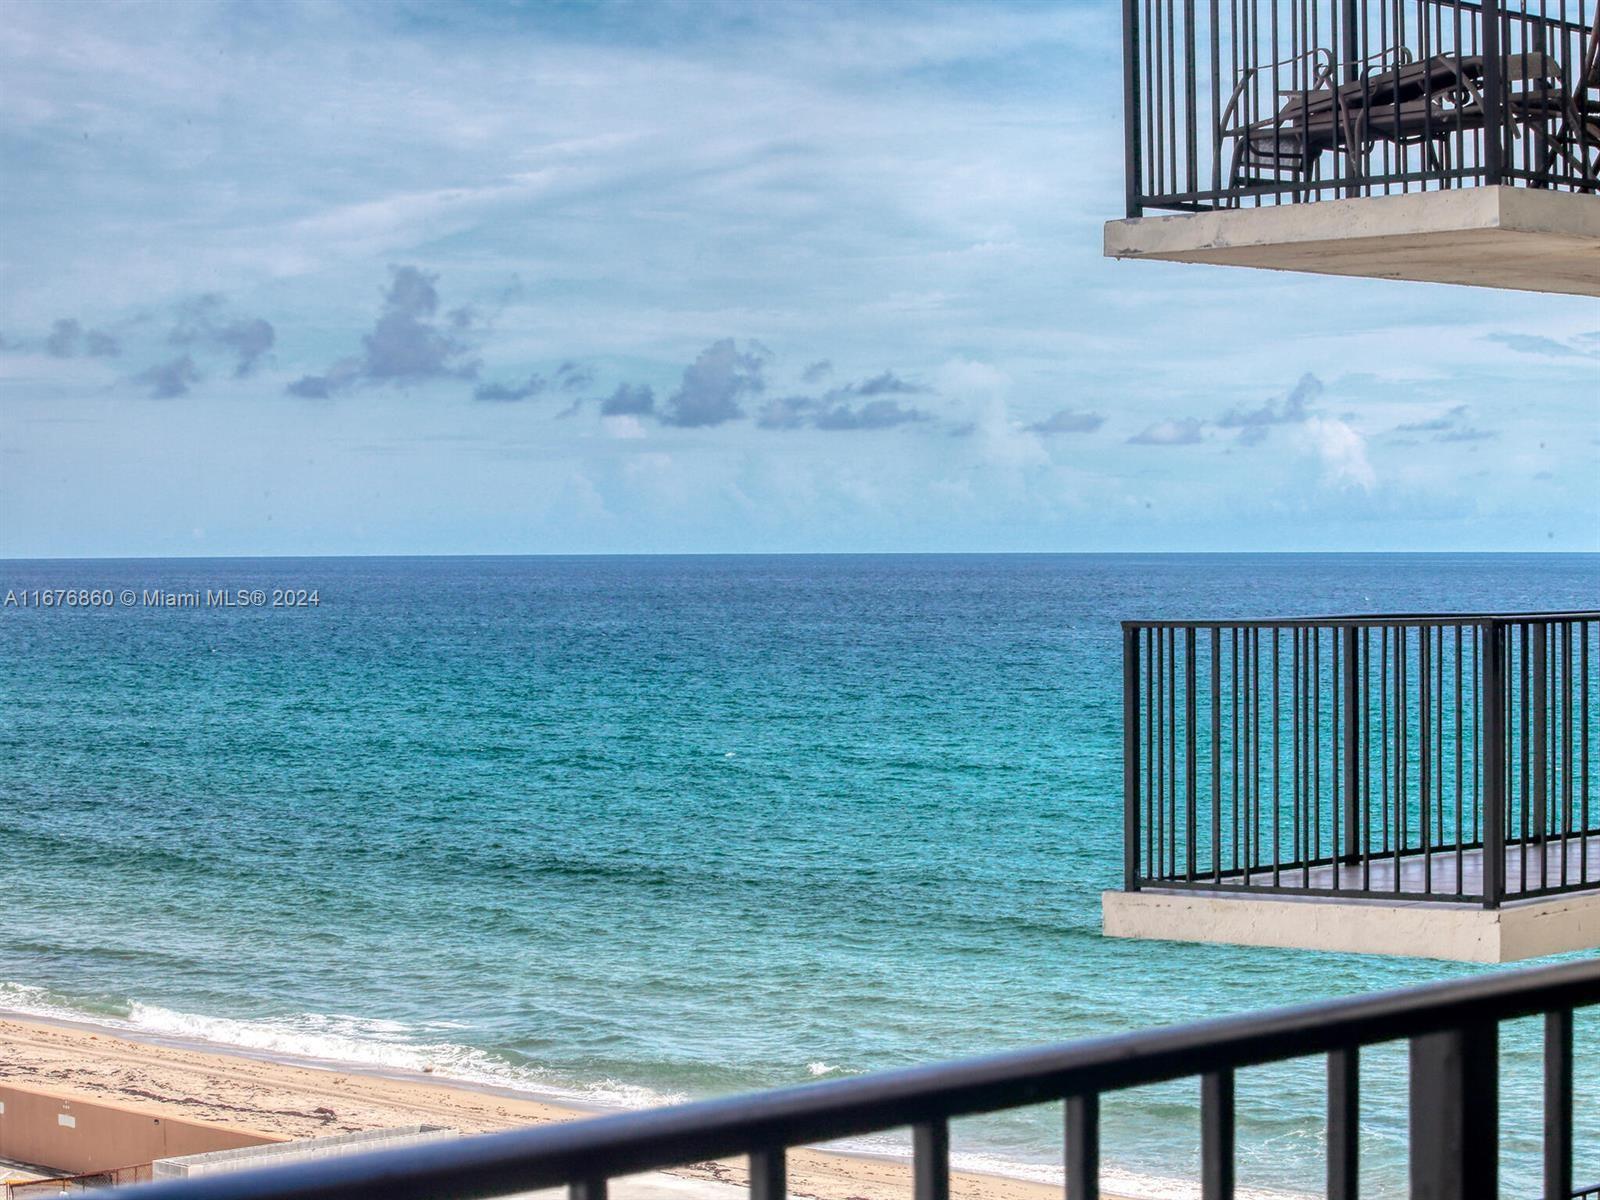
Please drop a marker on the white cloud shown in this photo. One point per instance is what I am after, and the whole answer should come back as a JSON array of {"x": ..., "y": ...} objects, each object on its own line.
[{"x": 1342, "y": 452}]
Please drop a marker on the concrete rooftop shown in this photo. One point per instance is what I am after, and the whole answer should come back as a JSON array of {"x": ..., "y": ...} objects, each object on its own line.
[{"x": 1502, "y": 237}]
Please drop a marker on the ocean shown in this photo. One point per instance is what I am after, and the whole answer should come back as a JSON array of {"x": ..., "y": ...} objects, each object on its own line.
[{"x": 631, "y": 830}]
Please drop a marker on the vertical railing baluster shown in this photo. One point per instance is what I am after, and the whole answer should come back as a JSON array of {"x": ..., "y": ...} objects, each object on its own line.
[
  {"x": 587, "y": 1189},
  {"x": 1255, "y": 741},
  {"x": 1191, "y": 115},
  {"x": 1438, "y": 734},
  {"x": 1277, "y": 758},
  {"x": 769, "y": 1174},
  {"x": 1455, "y": 1114},
  {"x": 1130, "y": 757},
  {"x": 930, "y": 1160},
  {"x": 1565, "y": 756},
  {"x": 1315, "y": 712},
  {"x": 1133, "y": 167},
  {"x": 1216, "y": 753},
  {"x": 1295, "y": 766},
  {"x": 1172, "y": 747},
  {"x": 1152, "y": 723},
  {"x": 1335, "y": 758},
  {"x": 1461, "y": 741},
  {"x": 1158, "y": 669},
  {"x": 1493, "y": 96},
  {"x": 1383, "y": 731},
  {"x": 1344, "y": 1123},
  {"x": 1236, "y": 759},
  {"x": 1083, "y": 1147},
  {"x": 1191, "y": 771},
  {"x": 1401, "y": 720},
  {"x": 1524, "y": 753},
  {"x": 1493, "y": 742},
  {"x": 1216, "y": 1135},
  {"x": 1583, "y": 751},
  {"x": 1425, "y": 746},
  {"x": 1541, "y": 751},
  {"x": 1366, "y": 759},
  {"x": 1558, "y": 1103}
]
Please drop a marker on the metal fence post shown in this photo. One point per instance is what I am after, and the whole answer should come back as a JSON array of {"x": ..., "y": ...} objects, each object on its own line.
[
  {"x": 1455, "y": 1114},
  {"x": 1493, "y": 754},
  {"x": 1133, "y": 166},
  {"x": 1352, "y": 744},
  {"x": 1494, "y": 130},
  {"x": 1130, "y": 758}
]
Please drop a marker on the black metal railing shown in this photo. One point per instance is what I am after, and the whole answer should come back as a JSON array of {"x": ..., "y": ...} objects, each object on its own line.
[
  {"x": 1452, "y": 1030},
  {"x": 1426, "y": 757},
  {"x": 1233, "y": 102}
]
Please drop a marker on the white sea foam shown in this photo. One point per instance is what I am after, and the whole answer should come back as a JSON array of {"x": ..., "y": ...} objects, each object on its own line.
[{"x": 334, "y": 1040}]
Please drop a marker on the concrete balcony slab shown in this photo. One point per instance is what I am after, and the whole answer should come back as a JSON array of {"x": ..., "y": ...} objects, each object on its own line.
[
  {"x": 1409, "y": 928},
  {"x": 1520, "y": 238}
]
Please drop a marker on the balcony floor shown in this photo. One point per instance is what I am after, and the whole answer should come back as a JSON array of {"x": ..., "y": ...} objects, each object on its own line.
[
  {"x": 1523, "y": 863},
  {"x": 1409, "y": 923},
  {"x": 1501, "y": 237}
]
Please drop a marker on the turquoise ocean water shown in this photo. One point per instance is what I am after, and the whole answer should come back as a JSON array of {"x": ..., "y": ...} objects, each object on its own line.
[{"x": 634, "y": 829}]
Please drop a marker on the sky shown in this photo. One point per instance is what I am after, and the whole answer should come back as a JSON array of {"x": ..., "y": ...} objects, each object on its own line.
[{"x": 395, "y": 278}]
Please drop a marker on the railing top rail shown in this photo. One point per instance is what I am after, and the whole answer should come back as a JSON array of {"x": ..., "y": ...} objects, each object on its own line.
[
  {"x": 548, "y": 1156},
  {"x": 1359, "y": 619},
  {"x": 1511, "y": 11}
]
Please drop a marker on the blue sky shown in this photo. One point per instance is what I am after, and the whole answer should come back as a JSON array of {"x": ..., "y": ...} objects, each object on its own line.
[{"x": 289, "y": 278}]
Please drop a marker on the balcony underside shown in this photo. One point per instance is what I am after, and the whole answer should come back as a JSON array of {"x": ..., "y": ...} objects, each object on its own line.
[
  {"x": 1402, "y": 923},
  {"x": 1519, "y": 238}
]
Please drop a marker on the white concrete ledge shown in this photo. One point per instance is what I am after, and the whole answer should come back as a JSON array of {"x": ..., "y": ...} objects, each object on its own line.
[
  {"x": 1414, "y": 929},
  {"x": 1502, "y": 237}
]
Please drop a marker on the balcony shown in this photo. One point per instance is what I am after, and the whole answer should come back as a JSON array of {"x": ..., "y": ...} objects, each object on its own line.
[
  {"x": 1435, "y": 140},
  {"x": 1418, "y": 785},
  {"x": 1454, "y": 1054}
]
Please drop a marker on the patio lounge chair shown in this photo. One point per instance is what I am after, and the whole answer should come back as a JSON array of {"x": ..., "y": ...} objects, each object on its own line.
[
  {"x": 1577, "y": 140},
  {"x": 1310, "y": 120},
  {"x": 1430, "y": 104}
]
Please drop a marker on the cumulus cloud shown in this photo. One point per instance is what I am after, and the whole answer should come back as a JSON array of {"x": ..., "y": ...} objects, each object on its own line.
[
  {"x": 204, "y": 323},
  {"x": 629, "y": 400},
  {"x": 1342, "y": 452},
  {"x": 510, "y": 392},
  {"x": 408, "y": 343},
  {"x": 716, "y": 383},
  {"x": 68, "y": 339},
  {"x": 1528, "y": 343},
  {"x": 1452, "y": 425},
  {"x": 817, "y": 371},
  {"x": 1254, "y": 424},
  {"x": 787, "y": 412},
  {"x": 874, "y": 414},
  {"x": 1068, "y": 421},
  {"x": 573, "y": 377},
  {"x": 311, "y": 387},
  {"x": 886, "y": 384},
  {"x": 169, "y": 379},
  {"x": 854, "y": 406},
  {"x": 1179, "y": 431}
]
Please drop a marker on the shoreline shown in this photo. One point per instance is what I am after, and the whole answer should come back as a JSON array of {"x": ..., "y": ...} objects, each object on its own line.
[{"x": 281, "y": 1095}]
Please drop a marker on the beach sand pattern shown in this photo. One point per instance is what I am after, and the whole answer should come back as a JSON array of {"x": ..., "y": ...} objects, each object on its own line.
[{"x": 298, "y": 1101}]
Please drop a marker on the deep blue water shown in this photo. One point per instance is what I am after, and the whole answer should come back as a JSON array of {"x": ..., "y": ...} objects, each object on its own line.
[{"x": 631, "y": 828}]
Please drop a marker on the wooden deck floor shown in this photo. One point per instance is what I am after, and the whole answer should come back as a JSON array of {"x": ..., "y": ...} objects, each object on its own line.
[{"x": 1437, "y": 873}]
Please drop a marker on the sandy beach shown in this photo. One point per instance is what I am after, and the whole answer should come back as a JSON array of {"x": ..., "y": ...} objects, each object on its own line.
[{"x": 298, "y": 1101}]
